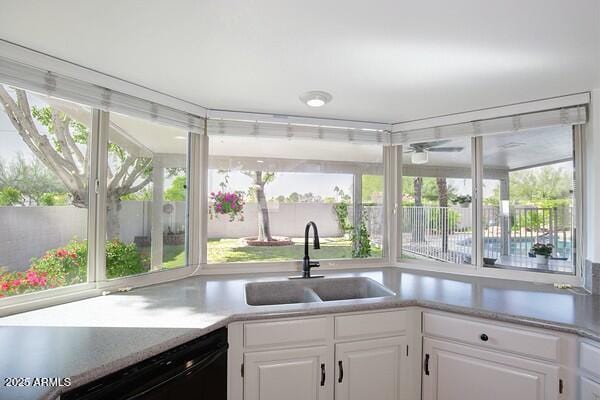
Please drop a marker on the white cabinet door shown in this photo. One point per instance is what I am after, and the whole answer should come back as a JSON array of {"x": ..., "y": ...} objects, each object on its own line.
[
  {"x": 457, "y": 372},
  {"x": 292, "y": 374},
  {"x": 590, "y": 390},
  {"x": 371, "y": 369}
]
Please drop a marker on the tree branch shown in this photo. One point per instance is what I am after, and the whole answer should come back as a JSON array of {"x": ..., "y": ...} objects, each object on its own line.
[
  {"x": 140, "y": 185},
  {"x": 20, "y": 116},
  {"x": 121, "y": 172},
  {"x": 140, "y": 165}
]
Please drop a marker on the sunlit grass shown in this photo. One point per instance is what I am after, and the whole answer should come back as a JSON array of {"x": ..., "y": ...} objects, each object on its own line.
[{"x": 235, "y": 250}]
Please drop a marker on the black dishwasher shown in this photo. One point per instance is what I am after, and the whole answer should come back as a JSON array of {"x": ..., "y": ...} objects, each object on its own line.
[{"x": 195, "y": 370}]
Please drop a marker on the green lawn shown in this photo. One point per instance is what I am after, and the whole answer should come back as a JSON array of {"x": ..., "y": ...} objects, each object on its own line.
[{"x": 234, "y": 250}]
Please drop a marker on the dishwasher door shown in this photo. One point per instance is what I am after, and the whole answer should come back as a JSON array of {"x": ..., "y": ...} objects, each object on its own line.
[
  {"x": 204, "y": 380},
  {"x": 195, "y": 370}
]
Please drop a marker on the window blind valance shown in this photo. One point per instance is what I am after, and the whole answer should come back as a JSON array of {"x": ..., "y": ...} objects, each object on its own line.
[
  {"x": 52, "y": 84},
  {"x": 575, "y": 115},
  {"x": 296, "y": 131}
]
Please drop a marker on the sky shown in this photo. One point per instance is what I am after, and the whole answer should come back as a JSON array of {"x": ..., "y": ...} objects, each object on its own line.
[{"x": 286, "y": 183}]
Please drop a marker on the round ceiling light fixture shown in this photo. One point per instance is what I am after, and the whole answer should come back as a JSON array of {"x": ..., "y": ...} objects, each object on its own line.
[{"x": 316, "y": 98}]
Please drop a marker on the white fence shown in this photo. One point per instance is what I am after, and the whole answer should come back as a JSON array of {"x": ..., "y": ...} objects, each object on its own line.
[
  {"x": 445, "y": 233},
  {"x": 442, "y": 233},
  {"x": 28, "y": 232}
]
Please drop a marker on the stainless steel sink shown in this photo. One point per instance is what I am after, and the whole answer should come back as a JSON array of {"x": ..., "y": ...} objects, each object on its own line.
[
  {"x": 270, "y": 293},
  {"x": 310, "y": 291},
  {"x": 349, "y": 288}
]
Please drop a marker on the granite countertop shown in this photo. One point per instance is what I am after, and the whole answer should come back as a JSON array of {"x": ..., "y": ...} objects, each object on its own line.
[{"x": 87, "y": 339}]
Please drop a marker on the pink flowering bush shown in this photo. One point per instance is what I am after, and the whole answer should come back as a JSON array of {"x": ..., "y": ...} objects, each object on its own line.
[
  {"x": 227, "y": 203},
  {"x": 67, "y": 265}
]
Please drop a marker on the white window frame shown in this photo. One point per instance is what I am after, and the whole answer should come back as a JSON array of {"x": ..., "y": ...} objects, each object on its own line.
[
  {"x": 197, "y": 189},
  {"x": 477, "y": 268},
  {"x": 290, "y": 266}
]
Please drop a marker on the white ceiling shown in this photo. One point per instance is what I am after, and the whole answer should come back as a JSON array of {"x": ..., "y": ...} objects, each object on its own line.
[{"x": 383, "y": 60}]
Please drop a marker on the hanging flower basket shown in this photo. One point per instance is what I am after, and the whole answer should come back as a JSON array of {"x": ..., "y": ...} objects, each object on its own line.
[{"x": 227, "y": 203}]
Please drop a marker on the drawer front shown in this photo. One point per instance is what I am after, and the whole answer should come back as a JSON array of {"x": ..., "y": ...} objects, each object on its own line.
[
  {"x": 590, "y": 390},
  {"x": 372, "y": 324},
  {"x": 286, "y": 332},
  {"x": 487, "y": 335},
  {"x": 589, "y": 358}
]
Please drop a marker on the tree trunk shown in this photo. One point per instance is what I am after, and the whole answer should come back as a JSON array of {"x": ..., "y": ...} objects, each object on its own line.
[
  {"x": 113, "y": 226},
  {"x": 418, "y": 184},
  {"x": 418, "y": 221},
  {"x": 264, "y": 227},
  {"x": 443, "y": 201}
]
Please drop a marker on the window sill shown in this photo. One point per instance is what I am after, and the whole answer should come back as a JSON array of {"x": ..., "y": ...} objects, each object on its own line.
[
  {"x": 47, "y": 298},
  {"x": 500, "y": 273}
]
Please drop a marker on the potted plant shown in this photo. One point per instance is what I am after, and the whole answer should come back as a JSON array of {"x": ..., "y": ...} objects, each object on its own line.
[
  {"x": 227, "y": 203},
  {"x": 542, "y": 252},
  {"x": 463, "y": 200}
]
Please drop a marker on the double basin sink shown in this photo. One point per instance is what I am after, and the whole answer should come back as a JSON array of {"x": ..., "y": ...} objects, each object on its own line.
[{"x": 313, "y": 291}]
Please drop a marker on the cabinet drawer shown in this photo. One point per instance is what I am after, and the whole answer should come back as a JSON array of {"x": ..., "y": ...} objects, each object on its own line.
[
  {"x": 372, "y": 324},
  {"x": 493, "y": 336},
  {"x": 589, "y": 358},
  {"x": 590, "y": 390},
  {"x": 286, "y": 332}
]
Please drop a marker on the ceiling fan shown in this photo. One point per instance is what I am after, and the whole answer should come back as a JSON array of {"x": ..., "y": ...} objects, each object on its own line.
[{"x": 419, "y": 151}]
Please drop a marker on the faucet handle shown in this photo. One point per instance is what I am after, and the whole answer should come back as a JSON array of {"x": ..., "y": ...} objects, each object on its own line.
[{"x": 314, "y": 264}]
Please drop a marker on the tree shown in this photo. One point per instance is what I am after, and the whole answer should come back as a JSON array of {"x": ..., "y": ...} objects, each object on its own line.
[
  {"x": 10, "y": 196},
  {"x": 177, "y": 190},
  {"x": 372, "y": 188},
  {"x": 418, "y": 191},
  {"x": 259, "y": 180},
  {"x": 442, "y": 186},
  {"x": 294, "y": 197},
  {"x": 544, "y": 187},
  {"x": 31, "y": 178},
  {"x": 64, "y": 151},
  {"x": 547, "y": 186}
]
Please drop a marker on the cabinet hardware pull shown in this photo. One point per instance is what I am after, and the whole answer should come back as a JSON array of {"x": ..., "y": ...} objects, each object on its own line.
[
  {"x": 322, "y": 374},
  {"x": 341, "y": 378},
  {"x": 426, "y": 364},
  {"x": 560, "y": 386},
  {"x": 484, "y": 337}
]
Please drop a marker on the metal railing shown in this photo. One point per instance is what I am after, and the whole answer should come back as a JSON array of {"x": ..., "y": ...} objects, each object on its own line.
[
  {"x": 445, "y": 233},
  {"x": 441, "y": 233},
  {"x": 514, "y": 234}
]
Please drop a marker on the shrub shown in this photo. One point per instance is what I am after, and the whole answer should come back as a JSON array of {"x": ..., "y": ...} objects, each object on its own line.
[
  {"x": 67, "y": 265},
  {"x": 63, "y": 266},
  {"x": 361, "y": 239},
  {"x": 123, "y": 259}
]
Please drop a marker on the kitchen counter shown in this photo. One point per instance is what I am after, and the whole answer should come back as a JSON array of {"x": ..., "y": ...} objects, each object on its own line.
[{"x": 87, "y": 339}]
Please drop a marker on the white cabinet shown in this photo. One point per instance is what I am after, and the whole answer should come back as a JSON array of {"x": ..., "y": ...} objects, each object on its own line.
[
  {"x": 353, "y": 356},
  {"x": 292, "y": 374},
  {"x": 589, "y": 364},
  {"x": 590, "y": 390},
  {"x": 459, "y": 372},
  {"x": 371, "y": 369}
]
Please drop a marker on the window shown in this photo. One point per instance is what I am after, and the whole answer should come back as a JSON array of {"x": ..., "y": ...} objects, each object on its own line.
[
  {"x": 436, "y": 201},
  {"x": 528, "y": 198},
  {"x": 527, "y": 195},
  {"x": 145, "y": 197},
  {"x": 263, "y": 191},
  {"x": 44, "y": 180}
]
